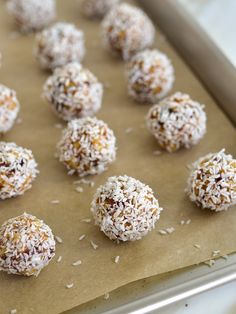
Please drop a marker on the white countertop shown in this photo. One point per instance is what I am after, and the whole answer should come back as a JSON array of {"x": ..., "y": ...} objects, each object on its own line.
[{"x": 218, "y": 18}]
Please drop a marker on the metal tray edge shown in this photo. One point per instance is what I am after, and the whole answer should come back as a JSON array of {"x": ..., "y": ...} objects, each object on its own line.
[{"x": 198, "y": 50}]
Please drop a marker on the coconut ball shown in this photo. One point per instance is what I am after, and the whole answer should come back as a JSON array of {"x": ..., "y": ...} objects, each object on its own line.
[
  {"x": 150, "y": 76},
  {"x": 32, "y": 15},
  {"x": 26, "y": 245},
  {"x": 127, "y": 30},
  {"x": 58, "y": 45},
  {"x": 9, "y": 108},
  {"x": 177, "y": 121},
  {"x": 97, "y": 8},
  {"x": 212, "y": 181},
  {"x": 73, "y": 92},
  {"x": 87, "y": 146},
  {"x": 125, "y": 209},
  {"x": 18, "y": 169}
]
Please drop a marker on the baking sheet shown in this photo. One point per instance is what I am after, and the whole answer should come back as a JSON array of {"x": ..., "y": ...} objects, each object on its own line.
[
  {"x": 198, "y": 49},
  {"x": 166, "y": 174},
  {"x": 148, "y": 295}
]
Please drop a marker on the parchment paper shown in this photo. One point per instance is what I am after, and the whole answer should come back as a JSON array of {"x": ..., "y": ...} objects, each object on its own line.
[{"x": 166, "y": 174}]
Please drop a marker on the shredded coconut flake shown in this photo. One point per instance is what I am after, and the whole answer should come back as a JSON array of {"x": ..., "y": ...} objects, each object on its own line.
[
  {"x": 84, "y": 181},
  {"x": 117, "y": 259},
  {"x": 157, "y": 153},
  {"x": 71, "y": 172},
  {"x": 87, "y": 220},
  {"x": 166, "y": 231},
  {"x": 94, "y": 245},
  {"x": 170, "y": 230},
  {"x": 185, "y": 222},
  {"x": 77, "y": 263},
  {"x": 216, "y": 253},
  {"x": 128, "y": 130},
  {"x": 162, "y": 232},
  {"x": 106, "y": 296},
  {"x": 210, "y": 263},
  {"x": 70, "y": 285},
  {"x": 58, "y": 239},
  {"x": 59, "y": 259},
  {"x": 82, "y": 237},
  {"x": 55, "y": 202},
  {"x": 79, "y": 189}
]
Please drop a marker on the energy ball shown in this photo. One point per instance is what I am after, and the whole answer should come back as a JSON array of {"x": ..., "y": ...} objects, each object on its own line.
[
  {"x": 125, "y": 209},
  {"x": 87, "y": 146},
  {"x": 9, "y": 108},
  {"x": 212, "y": 181},
  {"x": 97, "y": 8},
  {"x": 18, "y": 169},
  {"x": 26, "y": 245},
  {"x": 58, "y": 45},
  {"x": 73, "y": 92},
  {"x": 32, "y": 15},
  {"x": 150, "y": 76},
  {"x": 127, "y": 30},
  {"x": 177, "y": 121}
]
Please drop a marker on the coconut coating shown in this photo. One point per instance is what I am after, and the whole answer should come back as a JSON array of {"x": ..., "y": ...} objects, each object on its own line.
[
  {"x": 26, "y": 245},
  {"x": 212, "y": 181},
  {"x": 18, "y": 169},
  {"x": 125, "y": 209},
  {"x": 9, "y": 108},
  {"x": 97, "y": 8},
  {"x": 127, "y": 30},
  {"x": 58, "y": 45},
  {"x": 32, "y": 15},
  {"x": 73, "y": 92},
  {"x": 177, "y": 121},
  {"x": 87, "y": 146},
  {"x": 150, "y": 76}
]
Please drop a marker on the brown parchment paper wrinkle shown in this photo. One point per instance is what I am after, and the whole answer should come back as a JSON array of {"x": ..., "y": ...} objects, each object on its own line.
[{"x": 166, "y": 174}]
